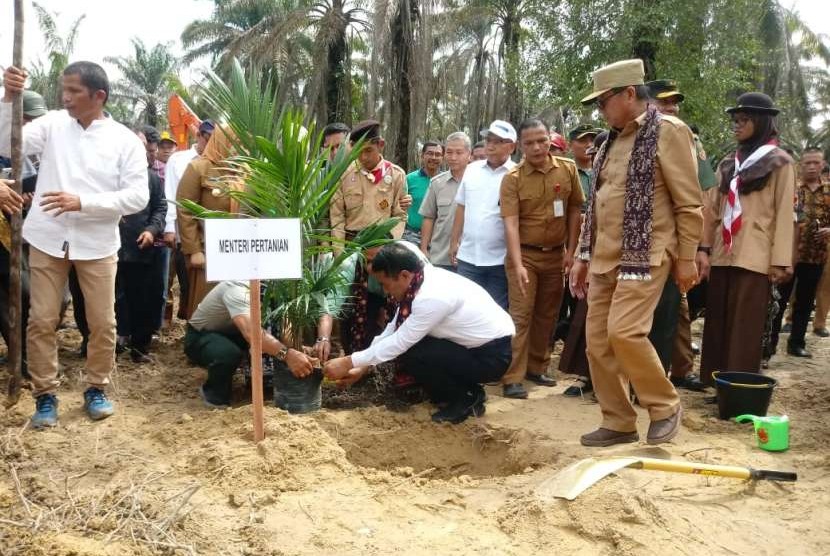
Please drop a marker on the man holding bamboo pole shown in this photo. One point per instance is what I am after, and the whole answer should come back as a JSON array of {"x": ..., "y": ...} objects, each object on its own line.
[{"x": 93, "y": 171}]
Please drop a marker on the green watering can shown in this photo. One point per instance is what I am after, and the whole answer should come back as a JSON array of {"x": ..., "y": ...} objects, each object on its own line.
[{"x": 772, "y": 432}]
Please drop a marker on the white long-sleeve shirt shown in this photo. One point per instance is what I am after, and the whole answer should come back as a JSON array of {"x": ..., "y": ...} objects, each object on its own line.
[
  {"x": 482, "y": 243},
  {"x": 447, "y": 306},
  {"x": 173, "y": 172},
  {"x": 105, "y": 165}
]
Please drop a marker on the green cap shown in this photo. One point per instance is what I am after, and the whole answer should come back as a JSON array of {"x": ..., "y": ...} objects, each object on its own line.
[
  {"x": 583, "y": 130},
  {"x": 33, "y": 104},
  {"x": 664, "y": 88}
]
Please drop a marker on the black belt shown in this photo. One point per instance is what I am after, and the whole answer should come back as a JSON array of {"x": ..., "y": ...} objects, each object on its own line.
[{"x": 541, "y": 248}]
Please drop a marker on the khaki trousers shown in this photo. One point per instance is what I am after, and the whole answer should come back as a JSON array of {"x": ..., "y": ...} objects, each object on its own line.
[
  {"x": 48, "y": 280},
  {"x": 534, "y": 313},
  {"x": 822, "y": 298},
  {"x": 620, "y": 315}
]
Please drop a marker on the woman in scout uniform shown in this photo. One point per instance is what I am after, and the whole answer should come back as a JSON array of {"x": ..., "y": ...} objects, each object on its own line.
[
  {"x": 203, "y": 182},
  {"x": 750, "y": 236}
]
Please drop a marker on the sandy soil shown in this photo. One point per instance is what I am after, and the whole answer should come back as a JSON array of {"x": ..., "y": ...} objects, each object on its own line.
[{"x": 166, "y": 475}]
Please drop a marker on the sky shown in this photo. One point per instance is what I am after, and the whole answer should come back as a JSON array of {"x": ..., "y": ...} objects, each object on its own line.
[{"x": 110, "y": 24}]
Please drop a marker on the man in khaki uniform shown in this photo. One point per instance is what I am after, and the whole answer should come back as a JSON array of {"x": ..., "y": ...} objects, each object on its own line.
[
  {"x": 370, "y": 190},
  {"x": 540, "y": 200},
  {"x": 643, "y": 222}
]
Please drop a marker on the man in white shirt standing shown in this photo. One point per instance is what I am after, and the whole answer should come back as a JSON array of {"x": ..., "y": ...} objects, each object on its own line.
[
  {"x": 478, "y": 225},
  {"x": 173, "y": 171},
  {"x": 447, "y": 333},
  {"x": 93, "y": 171}
]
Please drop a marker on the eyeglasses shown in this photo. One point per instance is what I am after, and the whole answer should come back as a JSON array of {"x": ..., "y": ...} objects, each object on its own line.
[{"x": 604, "y": 99}]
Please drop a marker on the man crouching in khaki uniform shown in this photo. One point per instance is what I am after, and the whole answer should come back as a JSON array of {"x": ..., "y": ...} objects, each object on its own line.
[{"x": 644, "y": 221}]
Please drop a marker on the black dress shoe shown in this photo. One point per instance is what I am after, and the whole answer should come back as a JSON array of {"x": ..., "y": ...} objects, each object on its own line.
[
  {"x": 541, "y": 380},
  {"x": 579, "y": 388},
  {"x": 458, "y": 411},
  {"x": 515, "y": 391},
  {"x": 139, "y": 356},
  {"x": 821, "y": 332},
  {"x": 689, "y": 382},
  {"x": 799, "y": 352}
]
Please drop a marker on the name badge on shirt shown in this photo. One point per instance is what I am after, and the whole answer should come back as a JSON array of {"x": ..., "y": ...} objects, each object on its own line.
[{"x": 558, "y": 208}]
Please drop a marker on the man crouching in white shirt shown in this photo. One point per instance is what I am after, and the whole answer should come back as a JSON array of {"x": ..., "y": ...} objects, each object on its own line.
[
  {"x": 93, "y": 171},
  {"x": 447, "y": 333}
]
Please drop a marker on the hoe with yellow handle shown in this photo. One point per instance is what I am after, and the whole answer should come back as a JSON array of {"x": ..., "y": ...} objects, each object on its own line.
[{"x": 574, "y": 479}]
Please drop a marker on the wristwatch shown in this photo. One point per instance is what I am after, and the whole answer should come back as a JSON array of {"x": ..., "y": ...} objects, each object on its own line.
[
  {"x": 282, "y": 353},
  {"x": 707, "y": 250}
]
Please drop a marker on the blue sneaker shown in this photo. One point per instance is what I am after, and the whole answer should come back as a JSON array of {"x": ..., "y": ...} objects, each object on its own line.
[
  {"x": 46, "y": 412},
  {"x": 97, "y": 405}
]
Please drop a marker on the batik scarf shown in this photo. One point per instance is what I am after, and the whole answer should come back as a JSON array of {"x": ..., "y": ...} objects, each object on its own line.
[
  {"x": 635, "y": 260},
  {"x": 360, "y": 295},
  {"x": 403, "y": 379}
]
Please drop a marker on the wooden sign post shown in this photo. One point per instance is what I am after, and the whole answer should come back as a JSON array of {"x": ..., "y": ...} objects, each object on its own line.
[{"x": 253, "y": 249}]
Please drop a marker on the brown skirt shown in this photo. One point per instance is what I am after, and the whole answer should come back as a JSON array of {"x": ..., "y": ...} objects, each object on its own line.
[
  {"x": 736, "y": 312},
  {"x": 574, "y": 359}
]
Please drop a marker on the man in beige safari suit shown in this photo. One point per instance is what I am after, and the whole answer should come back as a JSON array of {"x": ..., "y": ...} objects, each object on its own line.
[{"x": 644, "y": 222}]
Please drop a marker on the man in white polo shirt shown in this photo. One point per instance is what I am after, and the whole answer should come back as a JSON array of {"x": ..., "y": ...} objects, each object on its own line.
[
  {"x": 477, "y": 244},
  {"x": 447, "y": 333},
  {"x": 93, "y": 171}
]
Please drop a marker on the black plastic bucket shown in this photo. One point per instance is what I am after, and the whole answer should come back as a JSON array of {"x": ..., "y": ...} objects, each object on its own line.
[
  {"x": 297, "y": 395},
  {"x": 743, "y": 393}
]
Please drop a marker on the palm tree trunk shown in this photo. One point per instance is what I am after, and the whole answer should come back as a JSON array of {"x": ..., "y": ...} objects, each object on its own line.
[
  {"x": 338, "y": 81},
  {"x": 402, "y": 38},
  {"x": 15, "y": 312},
  {"x": 513, "y": 100}
]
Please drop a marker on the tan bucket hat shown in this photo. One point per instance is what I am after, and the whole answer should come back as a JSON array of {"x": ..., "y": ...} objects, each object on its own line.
[{"x": 619, "y": 74}]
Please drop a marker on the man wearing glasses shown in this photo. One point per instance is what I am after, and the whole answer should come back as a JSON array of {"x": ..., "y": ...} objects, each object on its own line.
[{"x": 643, "y": 223}]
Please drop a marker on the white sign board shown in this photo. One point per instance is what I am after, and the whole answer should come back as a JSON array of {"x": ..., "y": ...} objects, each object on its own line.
[{"x": 253, "y": 249}]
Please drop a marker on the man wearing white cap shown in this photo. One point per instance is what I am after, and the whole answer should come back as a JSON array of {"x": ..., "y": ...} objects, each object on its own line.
[
  {"x": 644, "y": 222},
  {"x": 477, "y": 245}
]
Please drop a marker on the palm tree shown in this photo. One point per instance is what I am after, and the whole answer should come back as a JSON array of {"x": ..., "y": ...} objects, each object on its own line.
[
  {"x": 286, "y": 175},
  {"x": 46, "y": 79},
  {"x": 337, "y": 24},
  {"x": 788, "y": 42},
  {"x": 219, "y": 36},
  {"x": 146, "y": 81}
]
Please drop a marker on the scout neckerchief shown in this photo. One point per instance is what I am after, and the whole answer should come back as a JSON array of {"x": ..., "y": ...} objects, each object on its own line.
[
  {"x": 380, "y": 172},
  {"x": 635, "y": 260},
  {"x": 732, "y": 208}
]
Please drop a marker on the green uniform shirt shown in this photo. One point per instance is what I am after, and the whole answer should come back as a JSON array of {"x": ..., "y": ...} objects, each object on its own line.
[
  {"x": 585, "y": 182},
  {"x": 705, "y": 174},
  {"x": 417, "y": 184}
]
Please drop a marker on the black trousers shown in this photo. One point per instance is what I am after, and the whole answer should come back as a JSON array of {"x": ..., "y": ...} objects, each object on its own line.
[
  {"x": 5, "y": 284},
  {"x": 805, "y": 281},
  {"x": 179, "y": 261},
  {"x": 664, "y": 326},
  {"x": 139, "y": 298},
  {"x": 221, "y": 354},
  {"x": 451, "y": 372}
]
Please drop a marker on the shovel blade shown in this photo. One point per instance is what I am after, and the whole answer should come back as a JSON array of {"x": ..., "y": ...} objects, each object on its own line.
[{"x": 576, "y": 478}]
